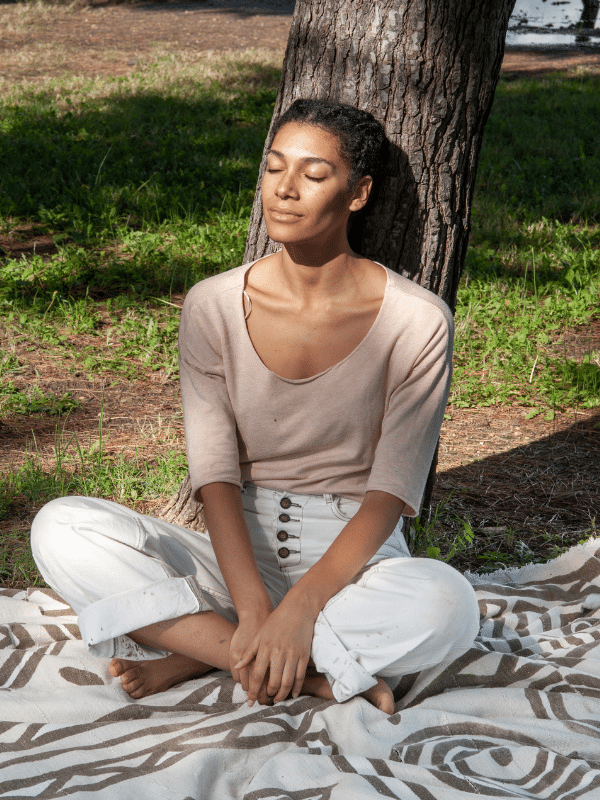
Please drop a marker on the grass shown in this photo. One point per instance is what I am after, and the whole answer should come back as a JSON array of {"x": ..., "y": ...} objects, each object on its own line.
[
  {"x": 454, "y": 539},
  {"x": 80, "y": 471},
  {"x": 514, "y": 307},
  {"x": 145, "y": 184}
]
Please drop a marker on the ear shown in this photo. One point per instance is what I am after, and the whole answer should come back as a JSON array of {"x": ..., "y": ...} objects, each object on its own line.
[{"x": 362, "y": 190}]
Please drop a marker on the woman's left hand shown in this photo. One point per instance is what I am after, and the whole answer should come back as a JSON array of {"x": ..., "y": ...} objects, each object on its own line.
[{"x": 281, "y": 647}]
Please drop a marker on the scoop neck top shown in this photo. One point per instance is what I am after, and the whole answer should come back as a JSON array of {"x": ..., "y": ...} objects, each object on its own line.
[
  {"x": 368, "y": 422},
  {"x": 317, "y": 375}
]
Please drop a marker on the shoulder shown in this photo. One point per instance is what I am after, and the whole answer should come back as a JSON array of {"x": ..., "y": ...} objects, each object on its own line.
[
  {"x": 212, "y": 311},
  {"x": 412, "y": 302},
  {"x": 215, "y": 290}
]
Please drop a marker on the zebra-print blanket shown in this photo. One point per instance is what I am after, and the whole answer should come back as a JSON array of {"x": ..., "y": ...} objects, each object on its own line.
[{"x": 516, "y": 716}]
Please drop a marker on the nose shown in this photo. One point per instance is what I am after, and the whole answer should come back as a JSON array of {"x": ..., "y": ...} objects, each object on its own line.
[{"x": 286, "y": 186}]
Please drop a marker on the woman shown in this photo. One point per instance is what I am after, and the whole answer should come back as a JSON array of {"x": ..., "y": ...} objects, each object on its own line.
[{"x": 314, "y": 383}]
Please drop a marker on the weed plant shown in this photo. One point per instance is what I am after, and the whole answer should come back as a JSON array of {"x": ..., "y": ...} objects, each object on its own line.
[
  {"x": 146, "y": 184},
  {"x": 449, "y": 537}
]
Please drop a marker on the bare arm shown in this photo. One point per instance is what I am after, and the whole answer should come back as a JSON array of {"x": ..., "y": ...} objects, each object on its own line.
[
  {"x": 224, "y": 516},
  {"x": 357, "y": 543},
  {"x": 283, "y": 644}
]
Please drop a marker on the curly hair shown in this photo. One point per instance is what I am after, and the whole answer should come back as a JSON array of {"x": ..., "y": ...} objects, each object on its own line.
[{"x": 362, "y": 140}]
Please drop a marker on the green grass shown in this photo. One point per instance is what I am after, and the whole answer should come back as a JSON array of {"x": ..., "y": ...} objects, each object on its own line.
[
  {"x": 90, "y": 471},
  {"x": 146, "y": 185},
  {"x": 532, "y": 272},
  {"x": 511, "y": 312},
  {"x": 79, "y": 471},
  {"x": 34, "y": 401},
  {"x": 540, "y": 158},
  {"x": 136, "y": 152}
]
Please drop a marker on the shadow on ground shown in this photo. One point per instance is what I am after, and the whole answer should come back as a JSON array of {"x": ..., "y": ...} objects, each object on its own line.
[
  {"x": 283, "y": 7},
  {"x": 238, "y": 7},
  {"x": 541, "y": 495}
]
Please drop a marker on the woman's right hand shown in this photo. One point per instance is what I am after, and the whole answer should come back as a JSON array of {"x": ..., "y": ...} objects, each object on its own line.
[
  {"x": 246, "y": 631},
  {"x": 230, "y": 538}
]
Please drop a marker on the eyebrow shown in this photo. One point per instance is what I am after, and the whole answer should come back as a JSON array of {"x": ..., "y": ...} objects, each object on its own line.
[{"x": 307, "y": 159}]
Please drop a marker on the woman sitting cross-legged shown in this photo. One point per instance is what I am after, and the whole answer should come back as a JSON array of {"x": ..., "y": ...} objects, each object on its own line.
[{"x": 314, "y": 383}]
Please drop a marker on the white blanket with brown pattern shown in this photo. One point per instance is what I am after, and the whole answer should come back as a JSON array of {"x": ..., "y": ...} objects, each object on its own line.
[{"x": 516, "y": 716}]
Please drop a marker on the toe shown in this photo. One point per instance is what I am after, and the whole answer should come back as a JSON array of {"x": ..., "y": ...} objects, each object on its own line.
[
  {"x": 141, "y": 691},
  {"x": 131, "y": 676},
  {"x": 387, "y": 705},
  {"x": 133, "y": 684},
  {"x": 384, "y": 698},
  {"x": 116, "y": 667}
]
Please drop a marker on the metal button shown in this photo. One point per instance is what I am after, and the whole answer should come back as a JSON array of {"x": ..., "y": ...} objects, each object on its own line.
[
  {"x": 284, "y": 518},
  {"x": 282, "y": 536},
  {"x": 285, "y": 502},
  {"x": 283, "y": 552}
]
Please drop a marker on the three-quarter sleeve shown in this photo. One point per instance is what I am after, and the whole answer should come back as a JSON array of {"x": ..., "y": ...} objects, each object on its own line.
[
  {"x": 413, "y": 416},
  {"x": 369, "y": 422},
  {"x": 210, "y": 426}
]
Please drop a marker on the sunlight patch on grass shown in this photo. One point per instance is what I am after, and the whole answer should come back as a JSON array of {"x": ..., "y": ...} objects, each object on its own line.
[{"x": 512, "y": 310}]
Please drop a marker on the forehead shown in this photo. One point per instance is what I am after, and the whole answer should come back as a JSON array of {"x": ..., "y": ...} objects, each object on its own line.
[{"x": 304, "y": 140}]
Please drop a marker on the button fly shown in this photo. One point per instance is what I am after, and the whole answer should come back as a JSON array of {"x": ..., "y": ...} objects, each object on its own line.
[
  {"x": 284, "y": 518},
  {"x": 285, "y": 502},
  {"x": 282, "y": 536},
  {"x": 283, "y": 552}
]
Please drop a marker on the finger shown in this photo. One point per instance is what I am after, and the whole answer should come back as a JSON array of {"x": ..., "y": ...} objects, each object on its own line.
[
  {"x": 235, "y": 653},
  {"x": 257, "y": 676},
  {"x": 245, "y": 678},
  {"x": 276, "y": 668},
  {"x": 244, "y": 661},
  {"x": 287, "y": 680},
  {"x": 248, "y": 654},
  {"x": 300, "y": 677},
  {"x": 263, "y": 697},
  {"x": 233, "y": 665}
]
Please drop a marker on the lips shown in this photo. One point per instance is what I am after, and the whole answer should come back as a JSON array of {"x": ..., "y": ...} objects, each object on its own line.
[{"x": 283, "y": 213}]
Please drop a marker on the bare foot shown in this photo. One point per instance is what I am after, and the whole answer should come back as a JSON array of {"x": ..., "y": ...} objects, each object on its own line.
[
  {"x": 380, "y": 695},
  {"x": 317, "y": 685},
  {"x": 141, "y": 678}
]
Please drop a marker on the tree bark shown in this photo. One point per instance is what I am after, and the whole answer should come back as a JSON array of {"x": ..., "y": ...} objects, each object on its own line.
[
  {"x": 427, "y": 70},
  {"x": 182, "y": 510},
  {"x": 589, "y": 13}
]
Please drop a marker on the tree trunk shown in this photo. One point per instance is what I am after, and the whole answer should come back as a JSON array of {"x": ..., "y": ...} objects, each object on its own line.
[
  {"x": 182, "y": 510},
  {"x": 427, "y": 70},
  {"x": 589, "y": 13}
]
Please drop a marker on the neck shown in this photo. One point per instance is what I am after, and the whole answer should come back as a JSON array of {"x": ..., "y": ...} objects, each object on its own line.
[{"x": 317, "y": 269}]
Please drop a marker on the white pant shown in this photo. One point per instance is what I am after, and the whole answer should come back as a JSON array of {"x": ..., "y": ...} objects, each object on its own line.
[{"x": 120, "y": 571}]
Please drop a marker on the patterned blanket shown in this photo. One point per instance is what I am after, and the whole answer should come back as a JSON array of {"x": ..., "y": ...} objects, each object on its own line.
[{"x": 517, "y": 716}]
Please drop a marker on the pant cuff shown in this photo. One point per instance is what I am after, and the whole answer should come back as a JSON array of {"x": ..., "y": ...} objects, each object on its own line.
[
  {"x": 346, "y": 676},
  {"x": 122, "y": 613}
]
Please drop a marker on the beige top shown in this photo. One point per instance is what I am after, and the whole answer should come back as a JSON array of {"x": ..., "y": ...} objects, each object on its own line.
[{"x": 371, "y": 421}]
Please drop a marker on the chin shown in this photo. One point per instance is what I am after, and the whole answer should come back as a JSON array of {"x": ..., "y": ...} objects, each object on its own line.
[{"x": 282, "y": 234}]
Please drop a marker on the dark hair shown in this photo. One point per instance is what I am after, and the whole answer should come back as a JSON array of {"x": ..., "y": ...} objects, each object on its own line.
[{"x": 363, "y": 143}]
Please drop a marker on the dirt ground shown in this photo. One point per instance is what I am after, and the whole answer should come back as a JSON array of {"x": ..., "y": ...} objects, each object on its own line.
[
  {"x": 500, "y": 469},
  {"x": 102, "y": 39}
]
